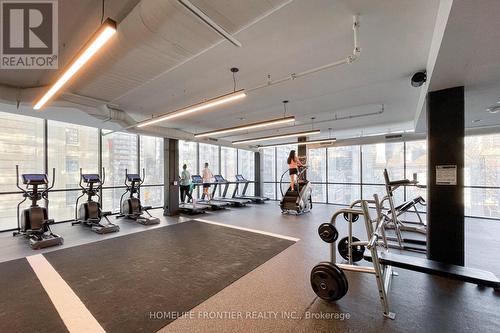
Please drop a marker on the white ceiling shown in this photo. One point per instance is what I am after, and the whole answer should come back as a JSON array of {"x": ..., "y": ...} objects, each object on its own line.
[
  {"x": 470, "y": 56},
  {"x": 164, "y": 58}
]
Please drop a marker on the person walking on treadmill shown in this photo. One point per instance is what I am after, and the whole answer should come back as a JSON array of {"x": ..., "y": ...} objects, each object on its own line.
[
  {"x": 185, "y": 184},
  {"x": 207, "y": 179},
  {"x": 293, "y": 168}
]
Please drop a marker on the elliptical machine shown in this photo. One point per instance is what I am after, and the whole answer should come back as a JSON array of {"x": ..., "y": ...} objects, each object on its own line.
[
  {"x": 34, "y": 223},
  {"x": 90, "y": 213},
  {"x": 131, "y": 207}
]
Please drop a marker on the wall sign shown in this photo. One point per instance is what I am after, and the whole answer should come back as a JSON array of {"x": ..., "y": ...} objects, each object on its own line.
[{"x": 446, "y": 175}]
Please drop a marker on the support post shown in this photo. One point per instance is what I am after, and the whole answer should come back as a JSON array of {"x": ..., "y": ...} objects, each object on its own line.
[
  {"x": 171, "y": 177},
  {"x": 445, "y": 163}
]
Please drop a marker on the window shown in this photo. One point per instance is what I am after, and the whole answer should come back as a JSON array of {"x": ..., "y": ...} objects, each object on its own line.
[
  {"x": 152, "y": 160},
  {"x": 282, "y": 153},
  {"x": 380, "y": 156},
  {"x": 228, "y": 160},
  {"x": 344, "y": 174},
  {"x": 269, "y": 172},
  {"x": 187, "y": 155},
  {"x": 21, "y": 143},
  {"x": 416, "y": 162},
  {"x": 209, "y": 154},
  {"x": 316, "y": 173},
  {"x": 119, "y": 152},
  {"x": 482, "y": 175},
  {"x": 246, "y": 167}
]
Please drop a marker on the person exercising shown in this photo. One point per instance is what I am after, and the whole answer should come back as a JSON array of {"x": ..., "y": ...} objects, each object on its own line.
[
  {"x": 185, "y": 184},
  {"x": 293, "y": 168},
  {"x": 207, "y": 179}
]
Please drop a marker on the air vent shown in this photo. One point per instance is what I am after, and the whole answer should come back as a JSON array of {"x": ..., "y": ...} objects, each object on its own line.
[
  {"x": 212, "y": 139},
  {"x": 393, "y": 136}
]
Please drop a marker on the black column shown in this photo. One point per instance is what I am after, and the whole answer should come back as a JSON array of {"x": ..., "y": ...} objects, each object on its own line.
[
  {"x": 258, "y": 183},
  {"x": 302, "y": 151},
  {"x": 445, "y": 207},
  {"x": 171, "y": 149}
]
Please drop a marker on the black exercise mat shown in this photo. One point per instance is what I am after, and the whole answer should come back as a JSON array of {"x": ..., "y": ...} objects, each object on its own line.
[
  {"x": 124, "y": 280},
  {"x": 24, "y": 304}
]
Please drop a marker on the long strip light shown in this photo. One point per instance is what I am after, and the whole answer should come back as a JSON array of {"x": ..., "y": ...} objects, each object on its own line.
[
  {"x": 302, "y": 143},
  {"x": 196, "y": 107},
  {"x": 260, "y": 124},
  {"x": 94, "y": 44},
  {"x": 275, "y": 137}
]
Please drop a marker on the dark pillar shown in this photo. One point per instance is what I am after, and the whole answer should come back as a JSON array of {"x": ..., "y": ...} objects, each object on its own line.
[
  {"x": 445, "y": 148},
  {"x": 302, "y": 151},
  {"x": 257, "y": 175},
  {"x": 171, "y": 177}
]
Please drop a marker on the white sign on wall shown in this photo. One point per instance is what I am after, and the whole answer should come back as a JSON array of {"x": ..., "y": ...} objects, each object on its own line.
[{"x": 446, "y": 175}]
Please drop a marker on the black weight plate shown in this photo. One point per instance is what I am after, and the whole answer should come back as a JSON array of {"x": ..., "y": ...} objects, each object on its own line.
[
  {"x": 357, "y": 251},
  {"x": 328, "y": 233},
  {"x": 355, "y": 217},
  {"x": 328, "y": 281}
]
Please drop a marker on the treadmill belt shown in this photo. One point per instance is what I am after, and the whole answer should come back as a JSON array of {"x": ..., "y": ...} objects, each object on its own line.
[
  {"x": 24, "y": 304},
  {"x": 123, "y": 281}
]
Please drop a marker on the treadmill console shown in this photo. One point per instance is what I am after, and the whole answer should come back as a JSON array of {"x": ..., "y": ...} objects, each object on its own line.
[
  {"x": 219, "y": 179},
  {"x": 91, "y": 178},
  {"x": 35, "y": 179},
  {"x": 197, "y": 179},
  {"x": 133, "y": 177},
  {"x": 240, "y": 178}
]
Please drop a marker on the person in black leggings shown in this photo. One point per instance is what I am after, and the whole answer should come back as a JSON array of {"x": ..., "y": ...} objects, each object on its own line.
[{"x": 185, "y": 184}]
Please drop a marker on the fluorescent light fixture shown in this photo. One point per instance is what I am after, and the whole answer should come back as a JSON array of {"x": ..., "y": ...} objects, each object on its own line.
[
  {"x": 195, "y": 108},
  {"x": 247, "y": 127},
  {"x": 312, "y": 142},
  {"x": 275, "y": 137},
  {"x": 95, "y": 43}
]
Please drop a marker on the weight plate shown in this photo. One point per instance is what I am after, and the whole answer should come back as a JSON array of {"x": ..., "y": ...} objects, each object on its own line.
[
  {"x": 357, "y": 251},
  {"x": 355, "y": 217},
  {"x": 328, "y": 233},
  {"x": 329, "y": 281}
]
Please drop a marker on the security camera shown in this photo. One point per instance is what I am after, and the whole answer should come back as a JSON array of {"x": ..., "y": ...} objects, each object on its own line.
[{"x": 418, "y": 79}]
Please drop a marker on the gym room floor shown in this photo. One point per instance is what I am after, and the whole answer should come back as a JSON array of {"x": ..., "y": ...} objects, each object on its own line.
[{"x": 280, "y": 287}]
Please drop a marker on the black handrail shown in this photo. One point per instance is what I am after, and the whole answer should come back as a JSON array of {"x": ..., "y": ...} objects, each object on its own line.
[{"x": 301, "y": 172}]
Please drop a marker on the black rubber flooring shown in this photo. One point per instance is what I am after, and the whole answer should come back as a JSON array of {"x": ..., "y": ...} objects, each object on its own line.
[
  {"x": 24, "y": 304},
  {"x": 126, "y": 281}
]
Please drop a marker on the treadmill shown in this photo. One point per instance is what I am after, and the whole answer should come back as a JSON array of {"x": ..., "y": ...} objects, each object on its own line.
[
  {"x": 237, "y": 202},
  {"x": 241, "y": 180},
  {"x": 190, "y": 208},
  {"x": 213, "y": 204}
]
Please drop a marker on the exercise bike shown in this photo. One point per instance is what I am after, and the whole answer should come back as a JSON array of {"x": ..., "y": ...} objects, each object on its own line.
[
  {"x": 33, "y": 222},
  {"x": 131, "y": 207},
  {"x": 90, "y": 213}
]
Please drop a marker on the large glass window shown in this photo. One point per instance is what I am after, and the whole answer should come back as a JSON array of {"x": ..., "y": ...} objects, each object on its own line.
[
  {"x": 151, "y": 159},
  {"x": 269, "y": 172},
  {"x": 380, "y": 156},
  {"x": 482, "y": 175},
  {"x": 344, "y": 174},
  {"x": 246, "y": 167},
  {"x": 187, "y": 155},
  {"x": 416, "y": 163},
  {"x": 119, "y": 152},
  {"x": 21, "y": 143},
  {"x": 70, "y": 147},
  {"x": 282, "y": 153},
  {"x": 228, "y": 160},
  {"x": 209, "y": 154},
  {"x": 316, "y": 173}
]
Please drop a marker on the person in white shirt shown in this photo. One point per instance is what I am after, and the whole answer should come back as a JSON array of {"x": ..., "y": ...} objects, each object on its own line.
[
  {"x": 185, "y": 184},
  {"x": 207, "y": 179}
]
